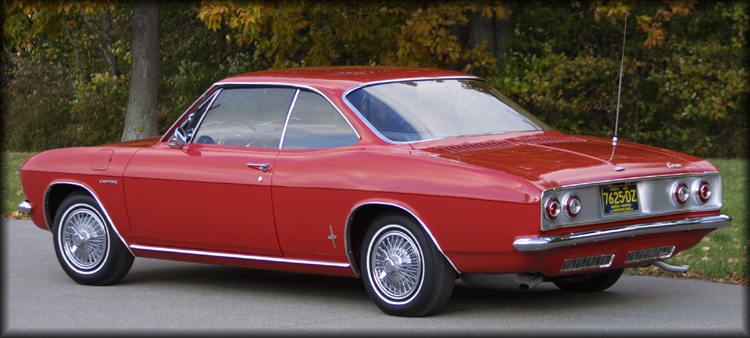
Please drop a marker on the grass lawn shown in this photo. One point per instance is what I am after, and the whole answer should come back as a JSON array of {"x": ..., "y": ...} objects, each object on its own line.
[{"x": 720, "y": 257}]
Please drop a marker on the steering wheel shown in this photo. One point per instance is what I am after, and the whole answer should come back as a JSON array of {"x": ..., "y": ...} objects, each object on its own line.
[
  {"x": 224, "y": 138},
  {"x": 244, "y": 123}
]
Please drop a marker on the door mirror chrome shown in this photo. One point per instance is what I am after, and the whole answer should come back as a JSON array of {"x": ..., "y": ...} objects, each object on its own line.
[{"x": 178, "y": 139}]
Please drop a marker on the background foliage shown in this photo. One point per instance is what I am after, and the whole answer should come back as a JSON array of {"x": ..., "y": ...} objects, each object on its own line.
[{"x": 66, "y": 64}]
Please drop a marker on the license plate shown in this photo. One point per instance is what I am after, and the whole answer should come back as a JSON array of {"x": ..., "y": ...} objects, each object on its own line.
[{"x": 620, "y": 198}]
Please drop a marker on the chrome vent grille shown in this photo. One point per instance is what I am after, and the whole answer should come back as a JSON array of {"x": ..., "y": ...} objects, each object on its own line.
[
  {"x": 459, "y": 148},
  {"x": 547, "y": 139},
  {"x": 649, "y": 254},
  {"x": 585, "y": 263}
]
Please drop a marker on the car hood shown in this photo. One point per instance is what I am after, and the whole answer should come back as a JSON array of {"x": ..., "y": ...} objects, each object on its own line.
[
  {"x": 553, "y": 159},
  {"x": 144, "y": 142}
]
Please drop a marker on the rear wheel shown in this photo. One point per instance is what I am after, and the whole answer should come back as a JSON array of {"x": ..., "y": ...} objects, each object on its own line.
[
  {"x": 87, "y": 248},
  {"x": 589, "y": 282},
  {"x": 403, "y": 272}
]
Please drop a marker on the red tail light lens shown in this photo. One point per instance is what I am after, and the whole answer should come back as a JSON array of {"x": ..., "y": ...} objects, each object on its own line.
[
  {"x": 681, "y": 193},
  {"x": 552, "y": 209},
  {"x": 704, "y": 192},
  {"x": 572, "y": 206}
]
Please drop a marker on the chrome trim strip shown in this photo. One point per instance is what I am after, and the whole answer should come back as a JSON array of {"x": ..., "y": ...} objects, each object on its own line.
[
  {"x": 288, "y": 116},
  {"x": 24, "y": 206},
  {"x": 238, "y": 256},
  {"x": 525, "y": 244},
  {"x": 632, "y": 179},
  {"x": 98, "y": 201},
  {"x": 347, "y": 233}
]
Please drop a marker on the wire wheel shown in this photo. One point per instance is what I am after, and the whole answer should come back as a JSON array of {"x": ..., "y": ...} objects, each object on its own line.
[
  {"x": 396, "y": 261},
  {"x": 84, "y": 238},
  {"x": 403, "y": 271},
  {"x": 86, "y": 245}
]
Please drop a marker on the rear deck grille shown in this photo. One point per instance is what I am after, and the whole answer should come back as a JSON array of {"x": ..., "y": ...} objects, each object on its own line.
[
  {"x": 585, "y": 263},
  {"x": 649, "y": 254}
]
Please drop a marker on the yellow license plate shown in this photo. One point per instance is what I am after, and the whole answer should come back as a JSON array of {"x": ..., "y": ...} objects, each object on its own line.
[{"x": 620, "y": 198}]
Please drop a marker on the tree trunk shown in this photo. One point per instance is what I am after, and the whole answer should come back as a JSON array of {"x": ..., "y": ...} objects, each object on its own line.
[
  {"x": 106, "y": 43},
  {"x": 140, "y": 120}
]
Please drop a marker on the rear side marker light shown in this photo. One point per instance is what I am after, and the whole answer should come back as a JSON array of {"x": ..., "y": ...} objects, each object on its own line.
[{"x": 680, "y": 193}]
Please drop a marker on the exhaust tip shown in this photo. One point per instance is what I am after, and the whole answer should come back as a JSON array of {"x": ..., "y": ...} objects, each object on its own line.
[
  {"x": 671, "y": 267},
  {"x": 530, "y": 283}
]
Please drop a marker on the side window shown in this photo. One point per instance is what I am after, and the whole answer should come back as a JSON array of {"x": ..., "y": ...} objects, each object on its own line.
[
  {"x": 248, "y": 117},
  {"x": 315, "y": 123}
]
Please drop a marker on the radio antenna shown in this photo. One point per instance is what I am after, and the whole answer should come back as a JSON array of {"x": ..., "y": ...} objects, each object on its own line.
[{"x": 619, "y": 88}]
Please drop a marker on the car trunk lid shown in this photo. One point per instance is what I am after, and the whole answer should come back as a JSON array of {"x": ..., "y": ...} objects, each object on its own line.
[{"x": 553, "y": 159}]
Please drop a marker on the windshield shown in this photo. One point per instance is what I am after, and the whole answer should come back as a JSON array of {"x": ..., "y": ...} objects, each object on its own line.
[{"x": 435, "y": 109}]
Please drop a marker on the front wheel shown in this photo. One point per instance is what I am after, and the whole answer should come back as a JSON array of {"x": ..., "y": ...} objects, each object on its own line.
[
  {"x": 403, "y": 272},
  {"x": 589, "y": 283},
  {"x": 87, "y": 248}
]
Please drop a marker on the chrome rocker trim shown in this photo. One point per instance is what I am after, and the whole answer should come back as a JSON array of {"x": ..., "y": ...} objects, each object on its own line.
[
  {"x": 575, "y": 238},
  {"x": 238, "y": 256}
]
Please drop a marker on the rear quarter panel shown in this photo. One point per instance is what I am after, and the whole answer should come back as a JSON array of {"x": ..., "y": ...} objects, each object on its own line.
[{"x": 467, "y": 209}]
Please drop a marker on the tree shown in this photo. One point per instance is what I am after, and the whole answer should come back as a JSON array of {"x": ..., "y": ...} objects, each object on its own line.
[
  {"x": 31, "y": 24},
  {"x": 140, "y": 120},
  {"x": 386, "y": 32}
]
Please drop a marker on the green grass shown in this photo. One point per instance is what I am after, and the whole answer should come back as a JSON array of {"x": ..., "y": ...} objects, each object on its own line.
[
  {"x": 12, "y": 193},
  {"x": 720, "y": 257}
]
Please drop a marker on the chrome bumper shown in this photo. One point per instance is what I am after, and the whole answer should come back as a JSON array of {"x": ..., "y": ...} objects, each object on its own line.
[
  {"x": 575, "y": 238},
  {"x": 24, "y": 206}
]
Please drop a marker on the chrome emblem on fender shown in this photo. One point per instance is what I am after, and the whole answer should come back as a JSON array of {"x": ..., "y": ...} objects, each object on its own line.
[
  {"x": 673, "y": 165},
  {"x": 108, "y": 181}
]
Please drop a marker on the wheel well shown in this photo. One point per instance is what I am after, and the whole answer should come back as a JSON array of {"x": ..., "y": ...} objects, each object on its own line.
[
  {"x": 360, "y": 220},
  {"x": 55, "y": 196}
]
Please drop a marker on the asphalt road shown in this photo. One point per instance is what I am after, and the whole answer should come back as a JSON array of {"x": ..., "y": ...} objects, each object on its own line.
[{"x": 165, "y": 297}]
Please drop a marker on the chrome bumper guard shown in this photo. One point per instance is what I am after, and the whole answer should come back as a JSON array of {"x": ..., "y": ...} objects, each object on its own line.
[
  {"x": 24, "y": 206},
  {"x": 583, "y": 237}
]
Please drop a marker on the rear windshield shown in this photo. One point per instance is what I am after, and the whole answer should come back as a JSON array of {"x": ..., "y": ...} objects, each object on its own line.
[{"x": 435, "y": 109}]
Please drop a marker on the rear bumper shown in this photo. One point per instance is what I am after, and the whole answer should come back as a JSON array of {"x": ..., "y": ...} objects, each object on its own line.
[
  {"x": 526, "y": 244},
  {"x": 25, "y": 206}
]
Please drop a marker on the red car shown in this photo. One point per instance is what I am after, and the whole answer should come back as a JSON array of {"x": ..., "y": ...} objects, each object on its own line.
[{"x": 407, "y": 178}]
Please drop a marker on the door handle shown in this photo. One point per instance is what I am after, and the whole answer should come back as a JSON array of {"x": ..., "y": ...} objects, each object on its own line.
[{"x": 260, "y": 166}]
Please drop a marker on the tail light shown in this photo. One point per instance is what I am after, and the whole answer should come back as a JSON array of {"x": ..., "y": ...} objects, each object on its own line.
[
  {"x": 703, "y": 192},
  {"x": 680, "y": 193},
  {"x": 552, "y": 209},
  {"x": 572, "y": 205}
]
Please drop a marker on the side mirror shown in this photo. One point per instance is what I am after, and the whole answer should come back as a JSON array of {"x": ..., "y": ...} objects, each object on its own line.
[{"x": 178, "y": 139}]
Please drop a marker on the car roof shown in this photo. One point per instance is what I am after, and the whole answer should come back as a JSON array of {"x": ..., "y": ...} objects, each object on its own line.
[{"x": 339, "y": 77}]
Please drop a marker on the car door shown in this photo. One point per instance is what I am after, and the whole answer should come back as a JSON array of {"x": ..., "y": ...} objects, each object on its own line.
[
  {"x": 312, "y": 197},
  {"x": 214, "y": 192}
]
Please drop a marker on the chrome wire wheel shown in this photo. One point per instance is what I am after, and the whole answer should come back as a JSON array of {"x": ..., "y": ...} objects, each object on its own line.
[
  {"x": 404, "y": 273},
  {"x": 396, "y": 264},
  {"x": 87, "y": 246},
  {"x": 83, "y": 238}
]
